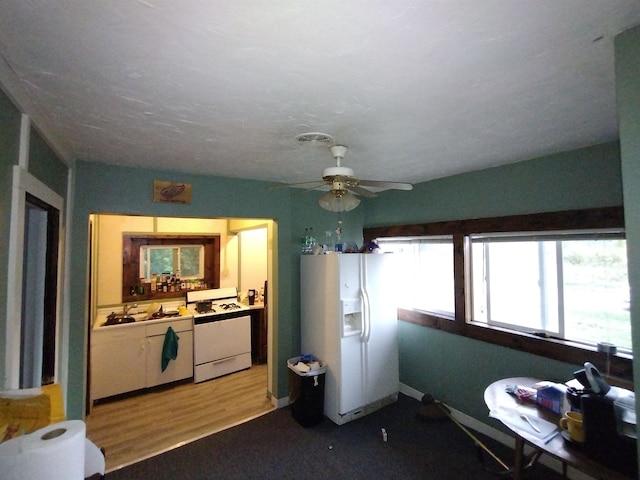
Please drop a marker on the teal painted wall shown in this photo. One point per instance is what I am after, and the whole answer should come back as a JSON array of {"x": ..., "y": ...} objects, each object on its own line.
[
  {"x": 101, "y": 188},
  {"x": 457, "y": 369},
  {"x": 628, "y": 90},
  {"x": 10, "y": 119},
  {"x": 45, "y": 165},
  {"x": 585, "y": 178}
]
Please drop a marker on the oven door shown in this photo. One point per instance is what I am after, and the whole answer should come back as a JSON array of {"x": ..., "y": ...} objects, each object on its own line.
[{"x": 220, "y": 336}]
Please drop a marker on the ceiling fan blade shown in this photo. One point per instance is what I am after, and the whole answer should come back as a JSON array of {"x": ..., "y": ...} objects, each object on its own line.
[
  {"x": 320, "y": 185},
  {"x": 382, "y": 184},
  {"x": 361, "y": 191},
  {"x": 317, "y": 183}
]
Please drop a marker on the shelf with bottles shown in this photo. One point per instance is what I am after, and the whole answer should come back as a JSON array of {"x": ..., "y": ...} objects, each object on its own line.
[{"x": 165, "y": 288}]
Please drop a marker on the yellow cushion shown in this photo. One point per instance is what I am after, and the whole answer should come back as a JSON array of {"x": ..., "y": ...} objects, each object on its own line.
[
  {"x": 57, "y": 405},
  {"x": 23, "y": 415}
]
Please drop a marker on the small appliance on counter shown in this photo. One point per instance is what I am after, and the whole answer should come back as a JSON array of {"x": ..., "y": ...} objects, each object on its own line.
[{"x": 609, "y": 418}]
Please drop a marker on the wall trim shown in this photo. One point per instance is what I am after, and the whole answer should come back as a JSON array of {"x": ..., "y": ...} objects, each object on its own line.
[{"x": 23, "y": 182}]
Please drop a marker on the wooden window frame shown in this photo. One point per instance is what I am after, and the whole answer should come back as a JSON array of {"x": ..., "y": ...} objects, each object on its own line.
[
  {"x": 462, "y": 323},
  {"x": 131, "y": 244}
]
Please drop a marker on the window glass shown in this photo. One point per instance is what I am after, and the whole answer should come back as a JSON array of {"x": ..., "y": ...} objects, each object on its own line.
[
  {"x": 575, "y": 288},
  {"x": 186, "y": 261},
  {"x": 596, "y": 291},
  {"x": 426, "y": 266}
]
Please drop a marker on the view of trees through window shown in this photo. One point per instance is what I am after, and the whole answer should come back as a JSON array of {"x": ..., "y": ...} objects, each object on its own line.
[
  {"x": 574, "y": 289},
  {"x": 596, "y": 292},
  {"x": 183, "y": 260}
]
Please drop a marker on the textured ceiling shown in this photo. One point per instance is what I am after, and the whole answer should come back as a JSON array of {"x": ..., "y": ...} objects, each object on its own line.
[{"x": 416, "y": 89}]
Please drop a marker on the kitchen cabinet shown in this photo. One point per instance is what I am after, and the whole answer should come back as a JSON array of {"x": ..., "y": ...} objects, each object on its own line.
[
  {"x": 127, "y": 357},
  {"x": 118, "y": 360},
  {"x": 182, "y": 366}
]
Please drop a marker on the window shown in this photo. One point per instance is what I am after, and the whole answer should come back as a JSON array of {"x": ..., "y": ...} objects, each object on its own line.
[
  {"x": 184, "y": 261},
  {"x": 158, "y": 251},
  {"x": 427, "y": 267},
  {"x": 569, "y": 286},
  {"x": 580, "y": 268}
]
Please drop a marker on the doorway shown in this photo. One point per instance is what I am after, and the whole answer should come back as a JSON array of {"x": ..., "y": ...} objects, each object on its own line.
[
  {"x": 105, "y": 245},
  {"x": 33, "y": 349},
  {"x": 39, "y": 293}
]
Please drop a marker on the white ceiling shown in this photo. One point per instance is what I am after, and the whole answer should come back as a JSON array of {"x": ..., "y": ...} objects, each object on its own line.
[{"x": 416, "y": 89}]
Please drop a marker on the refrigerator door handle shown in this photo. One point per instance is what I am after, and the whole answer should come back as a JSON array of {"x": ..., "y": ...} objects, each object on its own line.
[{"x": 366, "y": 304}]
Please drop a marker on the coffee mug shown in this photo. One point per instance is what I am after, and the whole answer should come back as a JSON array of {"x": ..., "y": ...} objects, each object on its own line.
[{"x": 572, "y": 423}]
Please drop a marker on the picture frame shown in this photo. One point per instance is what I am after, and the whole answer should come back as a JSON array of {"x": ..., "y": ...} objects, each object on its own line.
[{"x": 173, "y": 192}]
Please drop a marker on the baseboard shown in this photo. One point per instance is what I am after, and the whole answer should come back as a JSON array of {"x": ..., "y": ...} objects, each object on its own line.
[
  {"x": 279, "y": 402},
  {"x": 497, "y": 435}
]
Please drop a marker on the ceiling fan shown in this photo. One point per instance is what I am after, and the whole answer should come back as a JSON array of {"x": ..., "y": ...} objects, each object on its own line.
[{"x": 344, "y": 184}]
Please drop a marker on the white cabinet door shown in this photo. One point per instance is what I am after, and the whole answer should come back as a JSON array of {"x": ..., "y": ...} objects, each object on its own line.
[
  {"x": 181, "y": 367},
  {"x": 118, "y": 367},
  {"x": 128, "y": 357}
]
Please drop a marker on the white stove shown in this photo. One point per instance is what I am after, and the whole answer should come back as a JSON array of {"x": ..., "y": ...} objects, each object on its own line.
[
  {"x": 206, "y": 305},
  {"x": 221, "y": 333}
]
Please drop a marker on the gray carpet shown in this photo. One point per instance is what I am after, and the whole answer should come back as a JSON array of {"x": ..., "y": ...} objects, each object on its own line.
[{"x": 275, "y": 446}]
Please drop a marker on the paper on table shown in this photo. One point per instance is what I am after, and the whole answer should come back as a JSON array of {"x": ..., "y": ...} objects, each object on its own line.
[{"x": 512, "y": 417}]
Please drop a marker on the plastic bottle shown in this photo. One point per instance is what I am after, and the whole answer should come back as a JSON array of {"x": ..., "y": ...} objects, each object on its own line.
[
  {"x": 312, "y": 240},
  {"x": 305, "y": 242}
]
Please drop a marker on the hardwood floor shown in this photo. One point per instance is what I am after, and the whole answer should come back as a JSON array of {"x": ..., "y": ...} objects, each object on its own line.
[{"x": 142, "y": 426}]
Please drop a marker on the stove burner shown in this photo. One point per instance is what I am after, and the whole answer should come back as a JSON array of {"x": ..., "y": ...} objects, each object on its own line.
[{"x": 229, "y": 306}]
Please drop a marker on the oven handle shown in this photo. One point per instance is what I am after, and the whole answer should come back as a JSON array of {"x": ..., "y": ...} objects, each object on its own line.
[
  {"x": 215, "y": 362},
  {"x": 220, "y": 316}
]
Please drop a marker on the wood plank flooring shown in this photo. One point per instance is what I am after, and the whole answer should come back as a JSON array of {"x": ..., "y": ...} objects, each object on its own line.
[{"x": 142, "y": 426}]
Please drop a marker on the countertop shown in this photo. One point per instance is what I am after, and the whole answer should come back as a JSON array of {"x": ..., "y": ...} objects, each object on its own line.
[{"x": 141, "y": 319}]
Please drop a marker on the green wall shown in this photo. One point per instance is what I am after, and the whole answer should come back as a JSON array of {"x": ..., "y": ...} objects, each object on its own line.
[
  {"x": 584, "y": 178},
  {"x": 628, "y": 96},
  {"x": 9, "y": 146},
  {"x": 45, "y": 165},
  {"x": 457, "y": 369}
]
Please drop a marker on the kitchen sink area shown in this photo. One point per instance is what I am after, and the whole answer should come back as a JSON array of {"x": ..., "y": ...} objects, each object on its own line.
[
  {"x": 107, "y": 317},
  {"x": 127, "y": 356}
]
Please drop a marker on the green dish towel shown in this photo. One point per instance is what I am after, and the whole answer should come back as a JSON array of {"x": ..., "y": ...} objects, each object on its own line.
[{"x": 169, "y": 348}]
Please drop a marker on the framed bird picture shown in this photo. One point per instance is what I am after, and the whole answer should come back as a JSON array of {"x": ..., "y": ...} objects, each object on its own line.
[{"x": 175, "y": 192}]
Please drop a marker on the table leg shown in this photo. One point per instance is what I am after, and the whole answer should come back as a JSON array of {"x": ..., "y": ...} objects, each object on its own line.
[{"x": 518, "y": 458}]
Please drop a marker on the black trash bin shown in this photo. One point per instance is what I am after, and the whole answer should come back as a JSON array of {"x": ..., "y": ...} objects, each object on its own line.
[{"x": 306, "y": 391}]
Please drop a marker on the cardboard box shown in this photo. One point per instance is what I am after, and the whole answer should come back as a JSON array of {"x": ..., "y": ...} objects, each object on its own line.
[{"x": 552, "y": 396}]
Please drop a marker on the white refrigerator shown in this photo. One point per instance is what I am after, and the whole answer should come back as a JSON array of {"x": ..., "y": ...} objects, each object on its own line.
[{"x": 349, "y": 322}]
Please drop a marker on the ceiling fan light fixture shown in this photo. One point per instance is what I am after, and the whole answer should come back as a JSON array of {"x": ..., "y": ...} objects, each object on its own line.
[{"x": 338, "y": 201}]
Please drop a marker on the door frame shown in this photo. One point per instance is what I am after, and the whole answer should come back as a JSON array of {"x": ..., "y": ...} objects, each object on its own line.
[{"x": 23, "y": 183}]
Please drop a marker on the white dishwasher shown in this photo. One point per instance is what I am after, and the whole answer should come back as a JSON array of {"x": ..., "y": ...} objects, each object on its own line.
[{"x": 221, "y": 333}]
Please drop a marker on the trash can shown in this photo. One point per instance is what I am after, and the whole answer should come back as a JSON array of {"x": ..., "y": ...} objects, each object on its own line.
[{"x": 306, "y": 389}]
